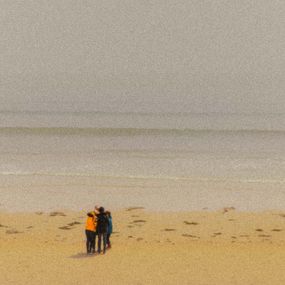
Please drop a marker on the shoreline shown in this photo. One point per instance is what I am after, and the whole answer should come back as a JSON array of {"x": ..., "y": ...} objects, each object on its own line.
[{"x": 41, "y": 193}]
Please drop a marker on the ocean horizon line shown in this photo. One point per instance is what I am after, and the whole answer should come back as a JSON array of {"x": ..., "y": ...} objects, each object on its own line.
[
  {"x": 129, "y": 131},
  {"x": 97, "y": 112}
]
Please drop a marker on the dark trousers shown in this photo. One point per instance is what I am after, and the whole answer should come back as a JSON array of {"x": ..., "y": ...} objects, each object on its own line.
[
  {"x": 102, "y": 237},
  {"x": 108, "y": 240},
  {"x": 90, "y": 241}
]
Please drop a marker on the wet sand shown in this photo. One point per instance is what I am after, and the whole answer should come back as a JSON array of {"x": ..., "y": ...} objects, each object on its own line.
[
  {"x": 205, "y": 247},
  {"x": 30, "y": 193}
]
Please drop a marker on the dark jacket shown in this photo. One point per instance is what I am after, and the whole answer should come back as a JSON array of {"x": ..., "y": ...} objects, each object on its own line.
[
  {"x": 110, "y": 225},
  {"x": 102, "y": 223}
]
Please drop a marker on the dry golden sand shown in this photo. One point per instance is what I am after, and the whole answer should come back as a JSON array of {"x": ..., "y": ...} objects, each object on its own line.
[{"x": 223, "y": 247}]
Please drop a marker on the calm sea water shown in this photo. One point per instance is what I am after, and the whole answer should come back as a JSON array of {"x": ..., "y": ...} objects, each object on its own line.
[{"x": 235, "y": 147}]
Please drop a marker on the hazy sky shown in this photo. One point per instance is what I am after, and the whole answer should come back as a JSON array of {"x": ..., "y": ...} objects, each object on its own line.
[{"x": 164, "y": 55}]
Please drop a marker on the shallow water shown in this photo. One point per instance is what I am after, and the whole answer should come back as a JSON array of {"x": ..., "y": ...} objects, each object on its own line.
[{"x": 105, "y": 145}]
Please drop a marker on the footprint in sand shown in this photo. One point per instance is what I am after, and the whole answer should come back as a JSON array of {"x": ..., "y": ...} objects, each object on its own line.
[
  {"x": 264, "y": 235},
  {"x": 29, "y": 227},
  {"x": 65, "y": 228},
  {"x": 2, "y": 226},
  {"x": 259, "y": 230},
  {"x": 139, "y": 221},
  {"x": 244, "y": 235},
  {"x": 74, "y": 223},
  {"x": 190, "y": 236},
  {"x": 190, "y": 223},
  {"x": 227, "y": 209},
  {"x": 169, "y": 230},
  {"x": 55, "y": 214},
  {"x": 39, "y": 213},
  {"x": 134, "y": 208},
  {"x": 276, "y": 230},
  {"x": 12, "y": 231},
  {"x": 139, "y": 239}
]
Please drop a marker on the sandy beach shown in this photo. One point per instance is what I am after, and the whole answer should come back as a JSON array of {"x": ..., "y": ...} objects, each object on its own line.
[
  {"x": 205, "y": 247},
  {"x": 170, "y": 114}
]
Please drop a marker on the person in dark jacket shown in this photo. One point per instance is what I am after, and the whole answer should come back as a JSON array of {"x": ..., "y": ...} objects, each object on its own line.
[
  {"x": 102, "y": 229},
  {"x": 110, "y": 228}
]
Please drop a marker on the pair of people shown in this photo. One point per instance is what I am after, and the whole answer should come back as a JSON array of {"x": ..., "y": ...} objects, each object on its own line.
[{"x": 98, "y": 223}]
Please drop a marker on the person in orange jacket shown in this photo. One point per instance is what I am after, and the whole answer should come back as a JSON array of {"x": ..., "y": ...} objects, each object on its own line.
[{"x": 90, "y": 230}]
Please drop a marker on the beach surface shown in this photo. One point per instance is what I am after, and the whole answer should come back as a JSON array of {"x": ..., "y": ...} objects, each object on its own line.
[{"x": 203, "y": 247}]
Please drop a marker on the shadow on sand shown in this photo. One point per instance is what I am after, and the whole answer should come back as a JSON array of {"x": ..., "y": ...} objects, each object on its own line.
[{"x": 82, "y": 255}]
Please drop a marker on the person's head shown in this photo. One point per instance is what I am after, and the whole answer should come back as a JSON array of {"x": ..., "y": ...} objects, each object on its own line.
[
  {"x": 96, "y": 209},
  {"x": 89, "y": 214},
  {"x": 108, "y": 213},
  {"x": 101, "y": 210}
]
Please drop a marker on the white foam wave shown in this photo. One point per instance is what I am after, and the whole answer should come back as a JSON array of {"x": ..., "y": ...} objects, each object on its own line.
[{"x": 178, "y": 178}]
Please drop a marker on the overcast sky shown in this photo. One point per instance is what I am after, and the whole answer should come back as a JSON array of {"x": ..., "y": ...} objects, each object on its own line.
[{"x": 164, "y": 55}]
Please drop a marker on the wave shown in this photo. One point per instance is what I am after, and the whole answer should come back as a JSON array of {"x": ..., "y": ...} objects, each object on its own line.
[
  {"x": 126, "y": 131},
  {"x": 141, "y": 177}
]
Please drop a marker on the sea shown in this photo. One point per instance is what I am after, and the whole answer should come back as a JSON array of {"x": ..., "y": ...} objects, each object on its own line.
[{"x": 164, "y": 161}]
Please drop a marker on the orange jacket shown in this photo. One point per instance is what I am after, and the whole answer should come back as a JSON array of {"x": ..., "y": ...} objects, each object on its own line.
[{"x": 90, "y": 224}]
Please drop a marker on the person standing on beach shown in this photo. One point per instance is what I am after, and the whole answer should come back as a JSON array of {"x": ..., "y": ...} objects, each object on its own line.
[
  {"x": 90, "y": 230},
  {"x": 95, "y": 213},
  {"x": 102, "y": 229},
  {"x": 110, "y": 228}
]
